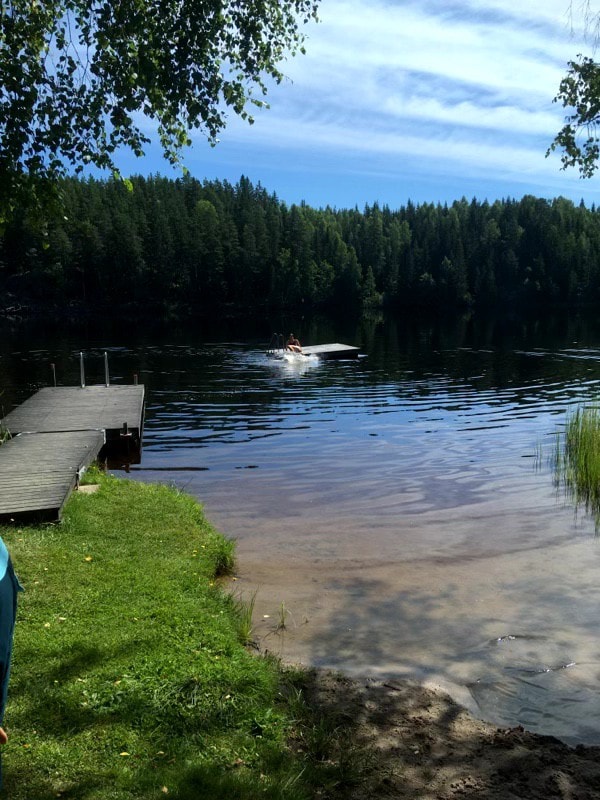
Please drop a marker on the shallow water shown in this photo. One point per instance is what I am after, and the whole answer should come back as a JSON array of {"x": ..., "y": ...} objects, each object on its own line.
[{"x": 397, "y": 513}]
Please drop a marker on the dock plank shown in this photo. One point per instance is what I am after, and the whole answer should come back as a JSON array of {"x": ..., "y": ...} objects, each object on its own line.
[
  {"x": 69, "y": 408},
  {"x": 32, "y": 480},
  {"x": 56, "y": 433}
]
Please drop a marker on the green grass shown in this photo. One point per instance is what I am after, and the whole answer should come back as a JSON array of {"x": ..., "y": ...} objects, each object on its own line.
[
  {"x": 130, "y": 677},
  {"x": 577, "y": 458}
]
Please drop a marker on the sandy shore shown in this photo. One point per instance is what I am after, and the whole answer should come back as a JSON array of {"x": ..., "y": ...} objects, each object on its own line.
[
  {"x": 414, "y": 741},
  {"x": 418, "y": 743},
  {"x": 368, "y": 610}
]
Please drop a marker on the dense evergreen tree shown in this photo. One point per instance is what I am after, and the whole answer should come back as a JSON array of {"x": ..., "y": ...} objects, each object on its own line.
[{"x": 213, "y": 245}]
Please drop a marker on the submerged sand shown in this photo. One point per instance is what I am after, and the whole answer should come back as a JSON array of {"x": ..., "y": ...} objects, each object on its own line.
[
  {"x": 423, "y": 738},
  {"x": 412, "y": 738}
]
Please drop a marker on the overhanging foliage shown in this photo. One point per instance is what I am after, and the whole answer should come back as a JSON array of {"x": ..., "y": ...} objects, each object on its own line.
[
  {"x": 579, "y": 138},
  {"x": 81, "y": 78}
]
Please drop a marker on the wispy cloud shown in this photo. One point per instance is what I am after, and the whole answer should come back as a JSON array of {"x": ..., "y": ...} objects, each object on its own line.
[{"x": 455, "y": 87}]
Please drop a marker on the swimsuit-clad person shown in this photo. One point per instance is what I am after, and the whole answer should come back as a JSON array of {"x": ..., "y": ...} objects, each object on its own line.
[{"x": 293, "y": 344}]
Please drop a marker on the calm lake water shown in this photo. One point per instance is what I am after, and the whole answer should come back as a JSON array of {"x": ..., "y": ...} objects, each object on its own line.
[{"x": 398, "y": 511}]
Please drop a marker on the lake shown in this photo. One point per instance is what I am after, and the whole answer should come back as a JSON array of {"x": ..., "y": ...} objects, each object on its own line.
[{"x": 397, "y": 513}]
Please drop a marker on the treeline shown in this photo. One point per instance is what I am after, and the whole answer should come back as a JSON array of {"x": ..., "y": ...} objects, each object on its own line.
[{"x": 213, "y": 245}]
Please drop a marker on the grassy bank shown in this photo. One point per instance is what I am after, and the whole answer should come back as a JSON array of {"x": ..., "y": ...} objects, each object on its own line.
[
  {"x": 577, "y": 458},
  {"x": 130, "y": 675}
]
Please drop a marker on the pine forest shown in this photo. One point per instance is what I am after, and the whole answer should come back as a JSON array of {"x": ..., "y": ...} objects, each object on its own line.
[{"x": 213, "y": 246}]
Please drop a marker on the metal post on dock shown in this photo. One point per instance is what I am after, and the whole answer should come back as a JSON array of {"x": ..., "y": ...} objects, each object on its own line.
[
  {"x": 53, "y": 367},
  {"x": 81, "y": 371},
  {"x": 126, "y": 437},
  {"x": 106, "y": 376},
  {"x": 135, "y": 379}
]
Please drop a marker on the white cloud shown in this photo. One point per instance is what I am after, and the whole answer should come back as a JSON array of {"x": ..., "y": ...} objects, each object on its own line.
[
  {"x": 470, "y": 154},
  {"x": 467, "y": 114},
  {"x": 461, "y": 86}
]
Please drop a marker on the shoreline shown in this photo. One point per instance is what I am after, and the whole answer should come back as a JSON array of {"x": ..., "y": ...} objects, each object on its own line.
[
  {"x": 130, "y": 674},
  {"x": 363, "y": 624},
  {"x": 418, "y": 742}
]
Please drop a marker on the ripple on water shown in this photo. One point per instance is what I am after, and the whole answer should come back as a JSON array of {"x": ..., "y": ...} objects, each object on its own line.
[{"x": 393, "y": 505}]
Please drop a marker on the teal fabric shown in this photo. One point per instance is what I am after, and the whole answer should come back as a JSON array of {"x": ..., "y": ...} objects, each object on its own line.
[
  {"x": 9, "y": 589},
  {"x": 3, "y": 559}
]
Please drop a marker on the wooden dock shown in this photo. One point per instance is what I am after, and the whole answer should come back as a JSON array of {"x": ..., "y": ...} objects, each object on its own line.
[
  {"x": 56, "y": 434},
  {"x": 69, "y": 408},
  {"x": 331, "y": 351},
  {"x": 38, "y": 471}
]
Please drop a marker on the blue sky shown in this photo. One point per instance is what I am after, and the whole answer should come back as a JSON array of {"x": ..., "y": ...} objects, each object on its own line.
[{"x": 427, "y": 100}]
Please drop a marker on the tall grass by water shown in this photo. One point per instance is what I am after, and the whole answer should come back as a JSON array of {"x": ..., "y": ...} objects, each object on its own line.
[
  {"x": 577, "y": 458},
  {"x": 130, "y": 675}
]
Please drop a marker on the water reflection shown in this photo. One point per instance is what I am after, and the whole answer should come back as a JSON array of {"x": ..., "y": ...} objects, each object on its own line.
[{"x": 391, "y": 503}]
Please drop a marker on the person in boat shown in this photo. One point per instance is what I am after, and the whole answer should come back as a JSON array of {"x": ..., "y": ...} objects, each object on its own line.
[
  {"x": 293, "y": 344},
  {"x": 9, "y": 587}
]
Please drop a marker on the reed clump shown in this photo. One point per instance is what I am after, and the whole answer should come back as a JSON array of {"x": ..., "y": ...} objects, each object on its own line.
[{"x": 577, "y": 458}]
